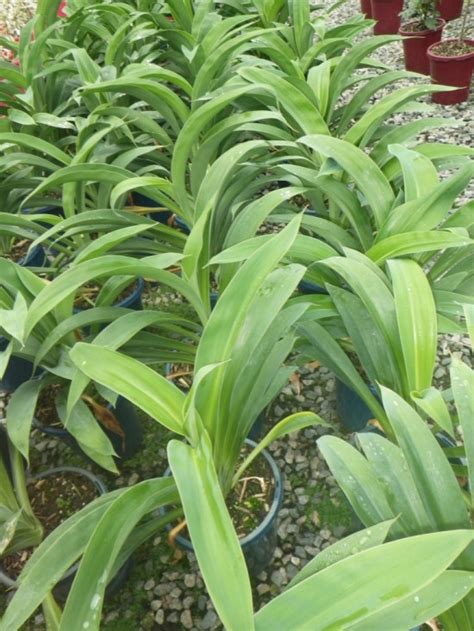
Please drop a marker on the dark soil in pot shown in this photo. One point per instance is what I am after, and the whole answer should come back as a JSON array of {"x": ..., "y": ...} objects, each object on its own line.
[
  {"x": 19, "y": 253},
  {"x": 88, "y": 296},
  {"x": 415, "y": 48},
  {"x": 253, "y": 504},
  {"x": 56, "y": 495},
  {"x": 452, "y": 63},
  {"x": 18, "y": 250},
  {"x": 53, "y": 499}
]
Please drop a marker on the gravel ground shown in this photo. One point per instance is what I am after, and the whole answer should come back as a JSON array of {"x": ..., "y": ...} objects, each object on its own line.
[
  {"x": 14, "y": 14},
  {"x": 166, "y": 594}
]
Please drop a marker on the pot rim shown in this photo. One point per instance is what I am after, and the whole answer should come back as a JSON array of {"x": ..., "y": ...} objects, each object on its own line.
[
  {"x": 100, "y": 486},
  {"x": 269, "y": 517},
  {"x": 440, "y": 27},
  {"x": 134, "y": 295},
  {"x": 442, "y": 58}
]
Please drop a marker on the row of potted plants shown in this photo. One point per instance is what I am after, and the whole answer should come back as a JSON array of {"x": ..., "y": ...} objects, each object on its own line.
[
  {"x": 387, "y": 12},
  {"x": 201, "y": 147},
  {"x": 421, "y": 23}
]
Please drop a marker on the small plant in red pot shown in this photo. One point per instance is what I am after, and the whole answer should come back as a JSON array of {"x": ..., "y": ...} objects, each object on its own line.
[
  {"x": 422, "y": 27},
  {"x": 452, "y": 63},
  {"x": 450, "y": 9},
  {"x": 387, "y": 15},
  {"x": 366, "y": 8}
]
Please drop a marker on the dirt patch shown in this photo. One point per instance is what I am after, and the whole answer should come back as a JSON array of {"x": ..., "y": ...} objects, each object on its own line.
[
  {"x": 18, "y": 250},
  {"x": 453, "y": 49},
  {"x": 417, "y": 27},
  {"x": 250, "y": 500}
]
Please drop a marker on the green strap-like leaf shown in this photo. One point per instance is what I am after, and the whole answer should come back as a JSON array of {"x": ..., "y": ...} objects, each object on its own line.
[
  {"x": 437, "y": 597},
  {"x": 20, "y": 411},
  {"x": 292, "y": 423},
  {"x": 65, "y": 285},
  {"x": 353, "y": 544},
  {"x": 415, "y": 242},
  {"x": 419, "y": 173},
  {"x": 52, "y": 559},
  {"x": 212, "y": 533},
  {"x": 141, "y": 385},
  {"x": 462, "y": 382},
  {"x": 434, "y": 478},
  {"x": 356, "y": 477},
  {"x": 366, "y": 174},
  {"x": 84, "y": 604},
  {"x": 409, "y": 565},
  {"x": 390, "y": 467},
  {"x": 416, "y": 317},
  {"x": 432, "y": 403},
  {"x": 294, "y": 101},
  {"x": 30, "y": 142}
]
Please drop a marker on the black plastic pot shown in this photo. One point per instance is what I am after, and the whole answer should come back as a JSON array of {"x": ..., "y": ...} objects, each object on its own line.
[
  {"x": 18, "y": 371},
  {"x": 165, "y": 217},
  {"x": 353, "y": 413},
  {"x": 134, "y": 300},
  {"x": 4, "y": 452},
  {"x": 445, "y": 441},
  {"x": 61, "y": 591},
  {"x": 258, "y": 546},
  {"x": 307, "y": 287},
  {"x": 36, "y": 257},
  {"x": 125, "y": 413}
]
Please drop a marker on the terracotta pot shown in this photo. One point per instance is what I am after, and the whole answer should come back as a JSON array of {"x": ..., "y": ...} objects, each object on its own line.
[
  {"x": 366, "y": 8},
  {"x": 415, "y": 48},
  {"x": 450, "y": 9},
  {"x": 455, "y": 71},
  {"x": 387, "y": 14}
]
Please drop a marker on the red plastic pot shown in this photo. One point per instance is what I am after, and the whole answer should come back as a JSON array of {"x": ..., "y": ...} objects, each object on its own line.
[
  {"x": 455, "y": 71},
  {"x": 366, "y": 8},
  {"x": 387, "y": 14},
  {"x": 450, "y": 9},
  {"x": 415, "y": 48}
]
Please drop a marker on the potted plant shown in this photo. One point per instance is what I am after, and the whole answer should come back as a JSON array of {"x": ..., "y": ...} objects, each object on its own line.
[
  {"x": 387, "y": 16},
  {"x": 46, "y": 349},
  {"x": 232, "y": 384},
  {"x": 429, "y": 488},
  {"x": 450, "y": 9},
  {"x": 422, "y": 27},
  {"x": 417, "y": 570},
  {"x": 31, "y": 507},
  {"x": 380, "y": 343},
  {"x": 452, "y": 63}
]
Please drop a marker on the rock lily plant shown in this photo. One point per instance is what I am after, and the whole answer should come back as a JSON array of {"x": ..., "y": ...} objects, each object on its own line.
[{"x": 415, "y": 478}]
